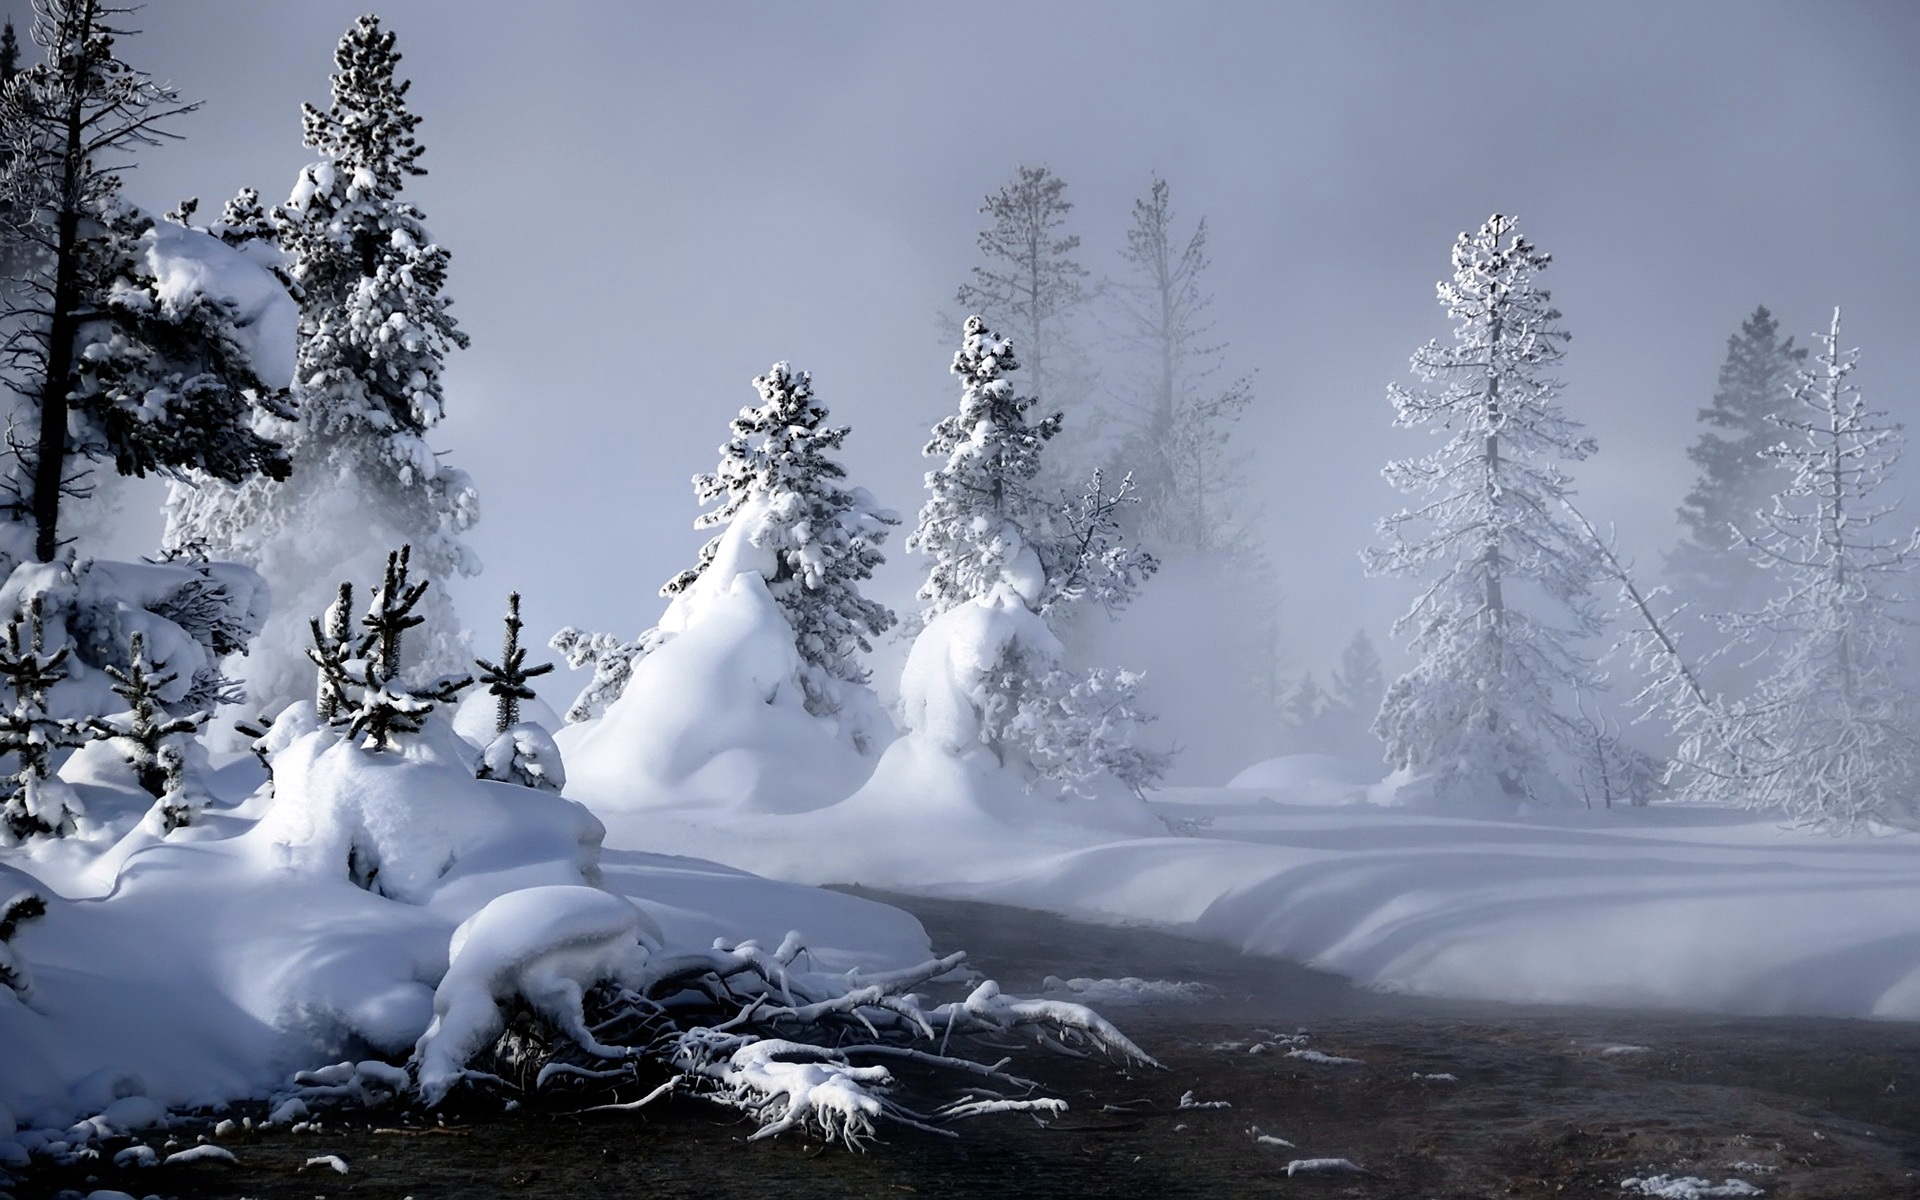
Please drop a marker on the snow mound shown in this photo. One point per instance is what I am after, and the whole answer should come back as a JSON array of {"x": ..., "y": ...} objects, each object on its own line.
[
  {"x": 544, "y": 945},
  {"x": 1307, "y": 779},
  {"x": 715, "y": 717},
  {"x": 414, "y": 825}
]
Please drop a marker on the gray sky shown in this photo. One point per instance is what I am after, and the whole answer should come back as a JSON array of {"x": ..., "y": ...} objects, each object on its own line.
[{"x": 648, "y": 204}]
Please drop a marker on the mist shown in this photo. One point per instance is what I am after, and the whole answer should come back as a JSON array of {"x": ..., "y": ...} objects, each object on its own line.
[{"x": 647, "y": 206}]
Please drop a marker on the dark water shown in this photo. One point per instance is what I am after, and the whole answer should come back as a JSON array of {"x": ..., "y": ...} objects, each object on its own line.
[{"x": 1544, "y": 1103}]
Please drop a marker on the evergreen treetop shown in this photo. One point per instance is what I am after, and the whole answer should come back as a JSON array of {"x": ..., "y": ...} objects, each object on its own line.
[
  {"x": 1737, "y": 477},
  {"x": 823, "y": 537}
]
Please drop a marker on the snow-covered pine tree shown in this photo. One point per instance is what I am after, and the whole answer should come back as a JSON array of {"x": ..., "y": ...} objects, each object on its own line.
[
  {"x": 1183, "y": 410},
  {"x": 611, "y": 660},
  {"x": 1738, "y": 477},
  {"x": 111, "y": 361},
  {"x": 1830, "y": 736},
  {"x": 984, "y": 520},
  {"x": 1495, "y": 631},
  {"x": 375, "y": 331},
  {"x": 822, "y": 538},
  {"x": 1030, "y": 281}
]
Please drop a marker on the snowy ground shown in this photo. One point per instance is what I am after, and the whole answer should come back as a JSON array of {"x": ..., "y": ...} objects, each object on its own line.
[{"x": 1660, "y": 908}]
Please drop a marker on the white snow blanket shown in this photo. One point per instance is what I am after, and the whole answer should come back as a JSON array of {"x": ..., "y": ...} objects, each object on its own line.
[
  {"x": 212, "y": 963},
  {"x": 1663, "y": 908}
]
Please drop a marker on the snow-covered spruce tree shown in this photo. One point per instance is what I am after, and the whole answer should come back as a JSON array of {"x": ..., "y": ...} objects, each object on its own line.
[
  {"x": 375, "y": 330},
  {"x": 1507, "y": 586},
  {"x": 995, "y": 543},
  {"x": 611, "y": 660},
  {"x": 111, "y": 359},
  {"x": 1738, "y": 477},
  {"x": 1830, "y": 736},
  {"x": 1030, "y": 282},
  {"x": 821, "y": 538}
]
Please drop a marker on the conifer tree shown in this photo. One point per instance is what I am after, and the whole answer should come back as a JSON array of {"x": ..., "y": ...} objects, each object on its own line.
[
  {"x": 1359, "y": 682},
  {"x": 147, "y": 729},
  {"x": 33, "y": 800},
  {"x": 109, "y": 367},
  {"x": 9, "y": 54},
  {"x": 1829, "y": 736},
  {"x": 611, "y": 660},
  {"x": 984, "y": 518},
  {"x": 371, "y": 697},
  {"x": 777, "y": 481},
  {"x": 375, "y": 331},
  {"x": 1183, "y": 411},
  {"x": 994, "y": 540},
  {"x": 1031, "y": 283},
  {"x": 507, "y": 680},
  {"x": 1738, "y": 477},
  {"x": 1507, "y": 586}
]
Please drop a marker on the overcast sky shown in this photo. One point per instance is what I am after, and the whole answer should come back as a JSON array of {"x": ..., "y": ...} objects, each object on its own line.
[{"x": 648, "y": 204}]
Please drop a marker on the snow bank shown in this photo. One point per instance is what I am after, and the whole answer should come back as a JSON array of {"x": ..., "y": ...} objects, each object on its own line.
[
  {"x": 415, "y": 825},
  {"x": 714, "y": 717},
  {"x": 1671, "y": 908}
]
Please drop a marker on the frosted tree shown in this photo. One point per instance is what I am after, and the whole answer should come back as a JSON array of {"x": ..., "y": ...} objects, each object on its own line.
[
  {"x": 375, "y": 332},
  {"x": 1738, "y": 477},
  {"x": 609, "y": 657},
  {"x": 508, "y": 681},
  {"x": 1183, "y": 407},
  {"x": 779, "y": 484},
  {"x": 996, "y": 543},
  {"x": 984, "y": 507},
  {"x": 1507, "y": 588},
  {"x": 111, "y": 361},
  {"x": 1829, "y": 736},
  {"x": 1031, "y": 283}
]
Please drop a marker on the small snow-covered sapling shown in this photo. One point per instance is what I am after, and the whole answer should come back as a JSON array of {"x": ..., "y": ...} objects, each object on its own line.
[
  {"x": 360, "y": 683},
  {"x": 142, "y": 734},
  {"x": 507, "y": 681},
  {"x": 333, "y": 648},
  {"x": 34, "y": 803}
]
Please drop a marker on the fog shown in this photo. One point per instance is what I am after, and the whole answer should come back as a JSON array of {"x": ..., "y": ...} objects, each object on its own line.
[{"x": 647, "y": 205}]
